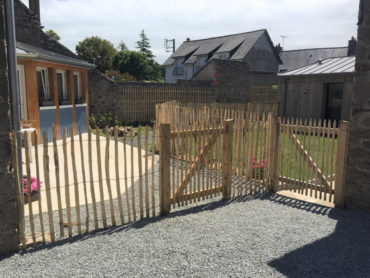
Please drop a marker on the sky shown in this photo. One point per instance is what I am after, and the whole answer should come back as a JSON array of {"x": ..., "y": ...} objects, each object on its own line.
[{"x": 306, "y": 23}]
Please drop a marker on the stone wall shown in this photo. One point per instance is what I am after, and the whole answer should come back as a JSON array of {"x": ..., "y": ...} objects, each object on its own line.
[
  {"x": 357, "y": 188},
  {"x": 8, "y": 209},
  {"x": 232, "y": 80},
  {"x": 28, "y": 30},
  {"x": 106, "y": 95}
]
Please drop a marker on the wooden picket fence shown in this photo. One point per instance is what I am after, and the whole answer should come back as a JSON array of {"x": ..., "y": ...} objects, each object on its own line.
[
  {"x": 246, "y": 154},
  {"x": 179, "y": 114},
  {"x": 89, "y": 182}
]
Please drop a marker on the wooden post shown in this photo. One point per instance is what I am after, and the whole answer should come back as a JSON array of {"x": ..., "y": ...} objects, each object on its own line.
[
  {"x": 164, "y": 188},
  {"x": 341, "y": 164},
  {"x": 227, "y": 159},
  {"x": 275, "y": 129}
]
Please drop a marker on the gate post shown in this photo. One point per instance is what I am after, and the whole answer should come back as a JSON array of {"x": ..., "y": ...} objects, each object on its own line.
[
  {"x": 164, "y": 162},
  {"x": 227, "y": 159},
  {"x": 341, "y": 164}
]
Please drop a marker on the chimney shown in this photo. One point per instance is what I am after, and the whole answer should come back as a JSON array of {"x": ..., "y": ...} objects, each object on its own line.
[
  {"x": 278, "y": 49},
  {"x": 34, "y": 6},
  {"x": 188, "y": 39},
  {"x": 352, "y": 44}
]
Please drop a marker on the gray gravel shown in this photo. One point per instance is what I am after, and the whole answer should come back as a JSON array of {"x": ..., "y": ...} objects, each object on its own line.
[{"x": 261, "y": 236}]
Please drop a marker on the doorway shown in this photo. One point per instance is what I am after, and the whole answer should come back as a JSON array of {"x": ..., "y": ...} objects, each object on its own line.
[{"x": 333, "y": 104}]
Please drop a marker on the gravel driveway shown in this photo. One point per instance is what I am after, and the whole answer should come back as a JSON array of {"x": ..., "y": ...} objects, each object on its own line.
[{"x": 262, "y": 236}]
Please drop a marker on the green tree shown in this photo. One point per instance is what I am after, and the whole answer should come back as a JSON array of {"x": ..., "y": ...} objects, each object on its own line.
[
  {"x": 132, "y": 62},
  {"x": 52, "y": 34},
  {"x": 144, "y": 46},
  {"x": 122, "y": 46},
  {"x": 97, "y": 51}
]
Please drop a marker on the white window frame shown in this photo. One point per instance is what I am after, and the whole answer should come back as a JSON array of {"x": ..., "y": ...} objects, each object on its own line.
[
  {"x": 79, "y": 94},
  {"x": 63, "y": 72},
  {"x": 45, "y": 81}
]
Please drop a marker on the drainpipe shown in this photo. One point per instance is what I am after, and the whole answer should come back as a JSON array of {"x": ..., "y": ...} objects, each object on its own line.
[{"x": 13, "y": 82}]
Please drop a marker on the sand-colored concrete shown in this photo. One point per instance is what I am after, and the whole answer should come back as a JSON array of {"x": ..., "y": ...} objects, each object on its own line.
[{"x": 70, "y": 184}]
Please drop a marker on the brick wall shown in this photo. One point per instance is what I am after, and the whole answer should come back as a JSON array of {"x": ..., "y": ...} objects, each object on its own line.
[
  {"x": 357, "y": 188},
  {"x": 8, "y": 208}
]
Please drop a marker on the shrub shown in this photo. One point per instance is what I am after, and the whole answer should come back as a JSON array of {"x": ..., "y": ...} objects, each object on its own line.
[{"x": 102, "y": 120}]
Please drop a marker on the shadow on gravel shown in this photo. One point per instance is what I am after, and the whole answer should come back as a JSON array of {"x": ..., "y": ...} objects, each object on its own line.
[{"x": 345, "y": 253}]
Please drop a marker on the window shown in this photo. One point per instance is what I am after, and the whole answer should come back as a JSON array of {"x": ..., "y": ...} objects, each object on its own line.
[
  {"x": 42, "y": 83},
  {"x": 61, "y": 83},
  {"x": 77, "y": 85}
]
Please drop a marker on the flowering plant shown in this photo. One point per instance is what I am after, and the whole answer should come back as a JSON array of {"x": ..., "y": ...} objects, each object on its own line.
[
  {"x": 257, "y": 168},
  {"x": 33, "y": 184}
]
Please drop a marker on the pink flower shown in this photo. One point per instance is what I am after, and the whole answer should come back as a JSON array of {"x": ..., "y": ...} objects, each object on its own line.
[{"x": 261, "y": 164}]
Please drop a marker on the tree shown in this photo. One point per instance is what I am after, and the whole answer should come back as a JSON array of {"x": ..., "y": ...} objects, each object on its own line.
[
  {"x": 97, "y": 51},
  {"x": 133, "y": 62},
  {"x": 144, "y": 46},
  {"x": 52, "y": 34},
  {"x": 122, "y": 46}
]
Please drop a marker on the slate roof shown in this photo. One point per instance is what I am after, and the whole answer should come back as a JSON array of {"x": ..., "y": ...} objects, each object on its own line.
[
  {"x": 26, "y": 51},
  {"x": 326, "y": 66},
  {"x": 293, "y": 59},
  {"x": 224, "y": 44}
]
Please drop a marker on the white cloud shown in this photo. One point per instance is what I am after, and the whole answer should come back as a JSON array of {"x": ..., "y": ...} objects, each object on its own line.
[{"x": 307, "y": 23}]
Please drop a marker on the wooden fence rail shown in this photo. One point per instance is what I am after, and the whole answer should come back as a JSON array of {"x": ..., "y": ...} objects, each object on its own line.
[{"x": 199, "y": 159}]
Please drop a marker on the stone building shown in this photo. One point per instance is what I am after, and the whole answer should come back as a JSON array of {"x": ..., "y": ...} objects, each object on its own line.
[{"x": 234, "y": 63}]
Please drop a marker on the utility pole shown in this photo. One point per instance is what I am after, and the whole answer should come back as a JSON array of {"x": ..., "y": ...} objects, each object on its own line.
[{"x": 168, "y": 44}]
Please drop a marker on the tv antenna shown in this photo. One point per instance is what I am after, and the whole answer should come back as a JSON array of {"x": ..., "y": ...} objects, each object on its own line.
[
  {"x": 168, "y": 44},
  {"x": 284, "y": 37}
]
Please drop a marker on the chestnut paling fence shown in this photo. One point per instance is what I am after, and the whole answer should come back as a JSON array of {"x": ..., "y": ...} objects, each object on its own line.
[{"x": 91, "y": 181}]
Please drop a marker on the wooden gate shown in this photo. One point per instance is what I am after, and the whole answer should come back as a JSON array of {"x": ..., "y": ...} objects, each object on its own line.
[
  {"x": 312, "y": 157},
  {"x": 195, "y": 164}
]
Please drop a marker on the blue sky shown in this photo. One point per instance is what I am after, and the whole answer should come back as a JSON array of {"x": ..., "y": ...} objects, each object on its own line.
[{"x": 307, "y": 23}]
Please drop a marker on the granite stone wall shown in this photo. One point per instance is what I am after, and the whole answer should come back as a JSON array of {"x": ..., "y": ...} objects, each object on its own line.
[
  {"x": 357, "y": 188},
  {"x": 106, "y": 95},
  {"x": 8, "y": 207},
  {"x": 233, "y": 80}
]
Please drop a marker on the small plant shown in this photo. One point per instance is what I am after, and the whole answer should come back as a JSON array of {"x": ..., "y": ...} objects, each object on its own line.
[
  {"x": 258, "y": 168},
  {"x": 33, "y": 184},
  {"x": 102, "y": 120}
]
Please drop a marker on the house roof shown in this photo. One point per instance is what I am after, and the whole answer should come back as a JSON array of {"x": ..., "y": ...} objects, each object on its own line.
[
  {"x": 222, "y": 44},
  {"x": 327, "y": 66},
  {"x": 293, "y": 59},
  {"x": 26, "y": 51}
]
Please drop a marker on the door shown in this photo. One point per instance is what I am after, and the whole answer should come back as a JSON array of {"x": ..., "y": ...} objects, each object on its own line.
[
  {"x": 22, "y": 91},
  {"x": 334, "y": 96}
]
